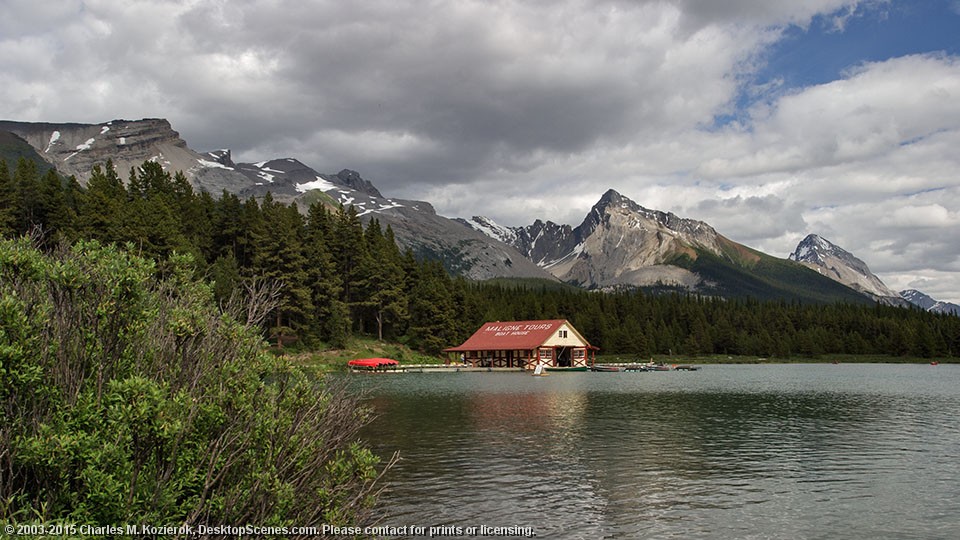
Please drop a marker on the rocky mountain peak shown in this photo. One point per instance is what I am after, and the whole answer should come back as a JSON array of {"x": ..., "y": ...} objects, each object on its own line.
[
  {"x": 816, "y": 249},
  {"x": 613, "y": 202},
  {"x": 833, "y": 261},
  {"x": 222, "y": 157},
  {"x": 611, "y": 196},
  {"x": 619, "y": 242},
  {"x": 917, "y": 298},
  {"x": 353, "y": 180},
  {"x": 928, "y": 303}
]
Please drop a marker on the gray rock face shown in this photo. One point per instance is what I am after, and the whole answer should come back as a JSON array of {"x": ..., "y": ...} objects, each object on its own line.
[
  {"x": 619, "y": 242},
  {"x": 840, "y": 265},
  {"x": 352, "y": 180},
  {"x": 74, "y": 149}
]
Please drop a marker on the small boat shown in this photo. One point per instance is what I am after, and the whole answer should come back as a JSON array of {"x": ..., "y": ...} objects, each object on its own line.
[
  {"x": 934, "y": 363},
  {"x": 635, "y": 367},
  {"x": 685, "y": 367},
  {"x": 604, "y": 367}
]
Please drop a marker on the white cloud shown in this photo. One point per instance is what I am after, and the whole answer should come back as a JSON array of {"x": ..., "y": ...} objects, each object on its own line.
[
  {"x": 520, "y": 110},
  {"x": 876, "y": 109}
]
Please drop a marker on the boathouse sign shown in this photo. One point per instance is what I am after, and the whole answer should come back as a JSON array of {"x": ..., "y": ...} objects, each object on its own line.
[{"x": 516, "y": 329}]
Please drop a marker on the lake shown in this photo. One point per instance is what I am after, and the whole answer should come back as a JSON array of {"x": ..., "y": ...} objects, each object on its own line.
[{"x": 731, "y": 451}]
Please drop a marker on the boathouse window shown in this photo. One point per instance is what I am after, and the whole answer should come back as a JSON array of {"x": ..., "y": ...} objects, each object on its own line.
[
  {"x": 578, "y": 354},
  {"x": 563, "y": 334},
  {"x": 546, "y": 354}
]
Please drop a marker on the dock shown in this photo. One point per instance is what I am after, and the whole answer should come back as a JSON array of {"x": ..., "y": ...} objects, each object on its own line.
[
  {"x": 442, "y": 368},
  {"x": 466, "y": 368}
]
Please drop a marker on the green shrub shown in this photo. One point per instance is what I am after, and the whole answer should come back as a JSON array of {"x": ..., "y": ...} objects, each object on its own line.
[{"x": 126, "y": 398}]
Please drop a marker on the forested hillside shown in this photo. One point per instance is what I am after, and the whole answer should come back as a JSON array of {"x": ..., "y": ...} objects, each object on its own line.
[{"x": 340, "y": 278}]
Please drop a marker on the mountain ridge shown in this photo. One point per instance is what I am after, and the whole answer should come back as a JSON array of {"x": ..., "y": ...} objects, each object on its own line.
[
  {"x": 618, "y": 243},
  {"x": 621, "y": 243},
  {"x": 74, "y": 149},
  {"x": 833, "y": 261},
  {"x": 928, "y": 303}
]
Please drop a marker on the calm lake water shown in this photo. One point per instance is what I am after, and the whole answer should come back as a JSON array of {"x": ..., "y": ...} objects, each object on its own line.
[{"x": 731, "y": 451}]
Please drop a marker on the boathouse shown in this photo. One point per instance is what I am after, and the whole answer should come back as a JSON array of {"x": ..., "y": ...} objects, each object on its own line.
[{"x": 524, "y": 344}]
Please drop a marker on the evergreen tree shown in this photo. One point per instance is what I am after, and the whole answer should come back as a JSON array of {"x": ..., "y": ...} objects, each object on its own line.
[
  {"x": 54, "y": 214},
  {"x": 280, "y": 257},
  {"x": 26, "y": 181},
  {"x": 102, "y": 206},
  {"x": 8, "y": 201},
  {"x": 432, "y": 311},
  {"x": 153, "y": 221},
  {"x": 225, "y": 275},
  {"x": 330, "y": 317},
  {"x": 196, "y": 217},
  {"x": 226, "y": 227},
  {"x": 384, "y": 295},
  {"x": 925, "y": 345},
  {"x": 352, "y": 261}
]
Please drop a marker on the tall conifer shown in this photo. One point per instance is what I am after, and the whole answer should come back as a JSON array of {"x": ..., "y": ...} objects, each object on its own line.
[
  {"x": 8, "y": 201},
  {"x": 330, "y": 316}
]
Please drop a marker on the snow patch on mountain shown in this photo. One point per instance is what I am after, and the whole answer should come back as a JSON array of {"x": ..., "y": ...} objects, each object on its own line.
[
  {"x": 319, "y": 183},
  {"x": 81, "y": 147},
  {"x": 489, "y": 227},
  {"x": 213, "y": 164},
  {"x": 54, "y": 137}
]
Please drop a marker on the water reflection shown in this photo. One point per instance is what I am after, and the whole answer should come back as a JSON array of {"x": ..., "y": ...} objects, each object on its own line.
[{"x": 654, "y": 455}]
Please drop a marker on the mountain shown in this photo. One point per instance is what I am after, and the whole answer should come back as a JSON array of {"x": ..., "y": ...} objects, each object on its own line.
[
  {"x": 415, "y": 224},
  {"x": 838, "y": 264},
  {"x": 74, "y": 149},
  {"x": 618, "y": 243},
  {"x": 621, "y": 243},
  {"x": 927, "y": 303}
]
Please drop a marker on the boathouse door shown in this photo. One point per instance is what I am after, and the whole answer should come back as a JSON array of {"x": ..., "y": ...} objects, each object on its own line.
[{"x": 563, "y": 357}]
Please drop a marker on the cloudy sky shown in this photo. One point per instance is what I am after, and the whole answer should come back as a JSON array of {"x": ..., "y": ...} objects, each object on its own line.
[{"x": 769, "y": 119}]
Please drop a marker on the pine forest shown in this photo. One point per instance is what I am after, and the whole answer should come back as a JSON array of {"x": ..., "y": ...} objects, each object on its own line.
[{"x": 336, "y": 277}]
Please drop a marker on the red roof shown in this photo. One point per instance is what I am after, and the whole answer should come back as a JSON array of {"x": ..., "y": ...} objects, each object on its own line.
[{"x": 519, "y": 335}]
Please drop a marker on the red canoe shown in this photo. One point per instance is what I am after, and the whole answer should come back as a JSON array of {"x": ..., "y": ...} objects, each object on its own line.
[{"x": 373, "y": 363}]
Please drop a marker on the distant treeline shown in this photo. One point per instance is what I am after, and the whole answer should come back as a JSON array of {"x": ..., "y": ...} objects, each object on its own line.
[{"x": 341, "y": 278}]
